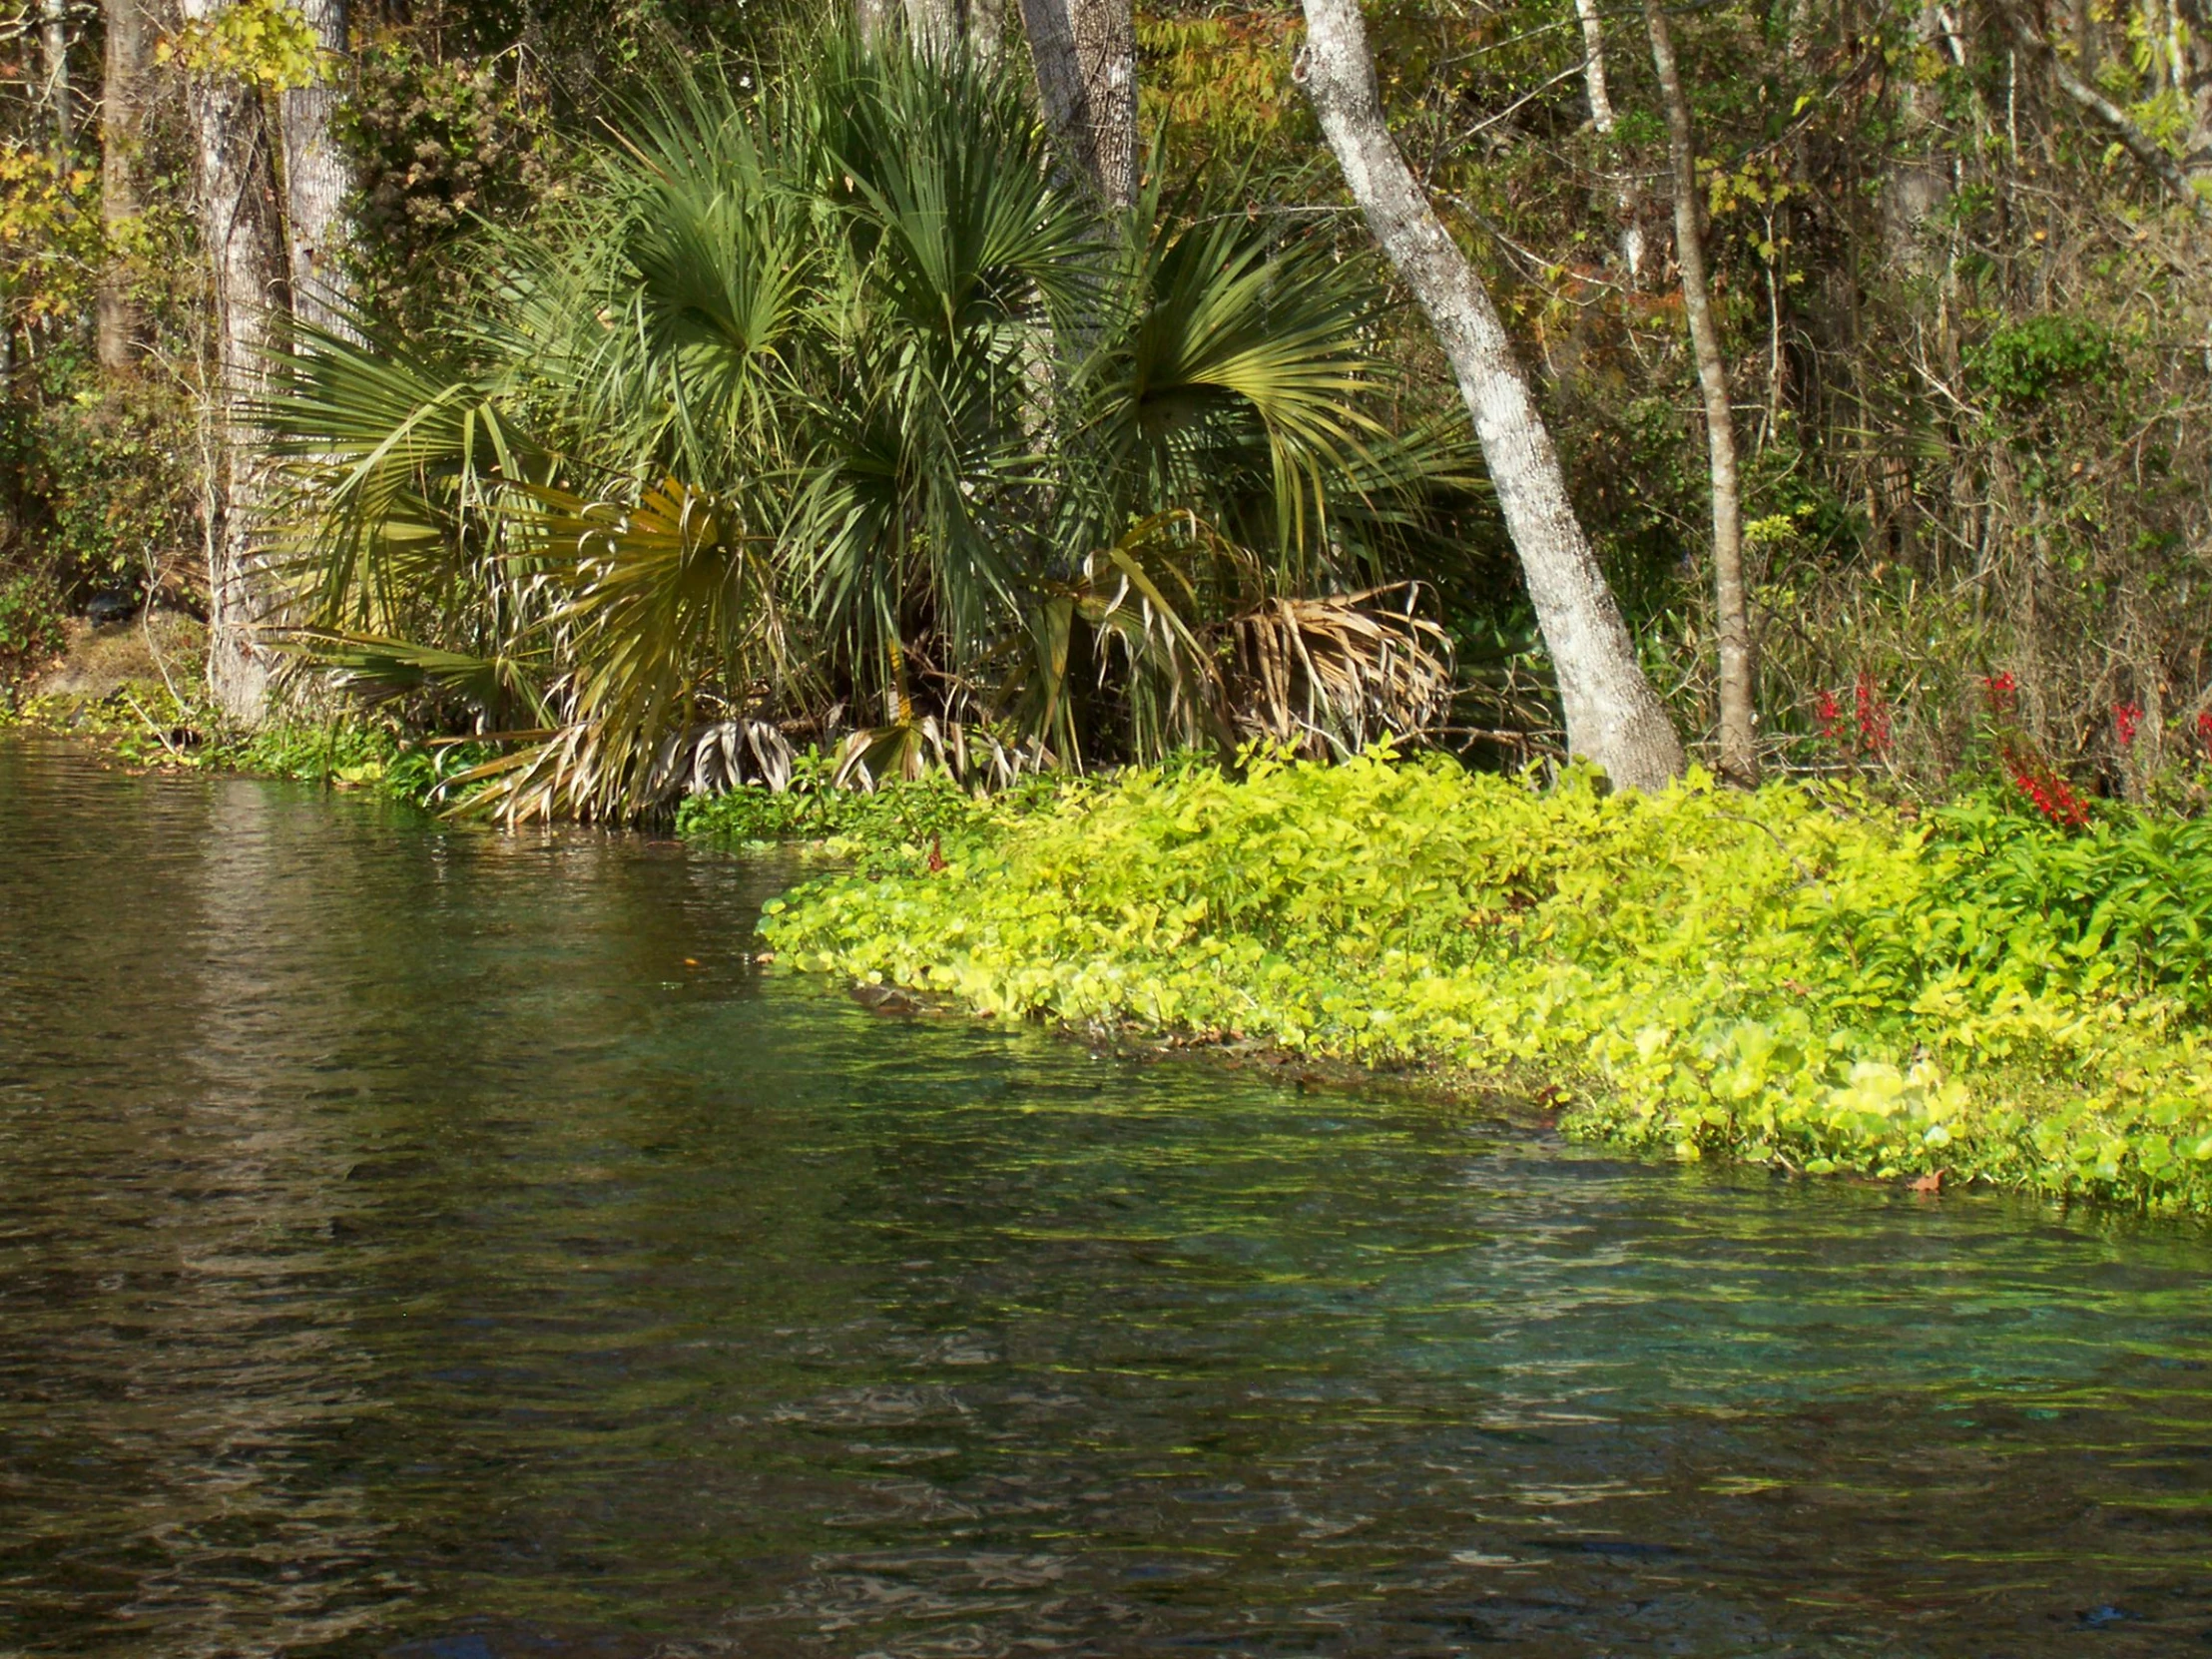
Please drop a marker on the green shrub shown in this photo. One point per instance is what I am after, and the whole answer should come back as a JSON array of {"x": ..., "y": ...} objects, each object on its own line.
[
  {"x": 1799, "y": 975},
  {"x": 886, "y": 824},
  {"x": 30, "y": 623},
  {"x": 352, "y": 753}
]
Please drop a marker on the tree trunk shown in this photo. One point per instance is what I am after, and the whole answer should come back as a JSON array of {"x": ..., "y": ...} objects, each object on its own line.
[
  {"x": 932, "y": 25},
  {"x": 874, "y": 18},
  {"x": 1739, "y": 735},
  {"x": 239, "y": 228},
  {"x": 318, "y": 180},
  {"x": 123, "y": 98},
  {"x": 1085, "y": 53},
  {"x": 54, "y": 42},
  {"x": 1627, "y": 208},
  {"x": 1918, "y": 188},
  {"x": 1613, "y": 717}
]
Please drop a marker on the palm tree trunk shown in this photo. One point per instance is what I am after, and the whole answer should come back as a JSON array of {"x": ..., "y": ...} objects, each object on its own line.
[
  {"x": 1085, "y": 53},
  {"x": 1613, "y": 717},
  {"x": 1739, "y": 737},
  {"x": 239, "y": 228},
  {"x": 123, "y": 97},
  {"x": 318, "y": 180}
]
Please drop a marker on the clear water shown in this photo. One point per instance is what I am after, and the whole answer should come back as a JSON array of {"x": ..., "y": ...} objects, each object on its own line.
[{"x": 426, "y": 1242}]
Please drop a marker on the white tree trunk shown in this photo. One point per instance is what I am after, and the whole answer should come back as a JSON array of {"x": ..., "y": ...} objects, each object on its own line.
[
  {"x": 1613, "y": 717},
  {"x": 1732, "y": 615},
  {"x": 1085, "y": 53},
  {"x": 1627, "y": 203},
  {"x": 124, "y": 91},
  {"x": 318, "y": 180},
  {"x": 54, "y": 48},
  {"x": 239, "y": 229}
]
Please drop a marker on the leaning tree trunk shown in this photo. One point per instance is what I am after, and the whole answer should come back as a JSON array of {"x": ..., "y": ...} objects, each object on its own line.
[
  {"x": 1739, "y": 737},
  {"x": 318, "y": 180},
  {"x": 123, "y": 98},
  {"x": 240, "y": 232},
  {"x": 1085, "y": 52},
  {"x": 1613, "y": 715}
]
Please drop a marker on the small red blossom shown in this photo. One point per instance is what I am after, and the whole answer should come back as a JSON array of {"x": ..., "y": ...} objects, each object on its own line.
[
  {"x": 2053, "y": 797},
  {"x": 2002, "y": 692},
  {"x": 2205, "y": 729},
  {"x": 1830, "y": 712},
  {"x": 2127, "y": 720}
]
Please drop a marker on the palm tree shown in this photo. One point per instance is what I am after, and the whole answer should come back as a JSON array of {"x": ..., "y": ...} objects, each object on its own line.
[{"x": 839, "y": 398}]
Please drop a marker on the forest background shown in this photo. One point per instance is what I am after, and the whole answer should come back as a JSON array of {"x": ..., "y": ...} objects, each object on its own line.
[{"x": 1957, "y": 258}]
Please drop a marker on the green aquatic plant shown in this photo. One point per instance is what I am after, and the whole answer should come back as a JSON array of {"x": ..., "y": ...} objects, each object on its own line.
[{"x": 1800, "y": 975}]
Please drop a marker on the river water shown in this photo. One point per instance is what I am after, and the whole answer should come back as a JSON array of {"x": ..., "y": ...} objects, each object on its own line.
[{"x": 423, "y": 1242}]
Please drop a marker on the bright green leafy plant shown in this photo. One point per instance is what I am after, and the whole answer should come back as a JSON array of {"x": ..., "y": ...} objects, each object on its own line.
[{"x": 1800, "y": 975}]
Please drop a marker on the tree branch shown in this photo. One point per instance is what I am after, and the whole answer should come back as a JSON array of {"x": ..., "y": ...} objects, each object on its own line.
[{"x": 2140, "y": 143}]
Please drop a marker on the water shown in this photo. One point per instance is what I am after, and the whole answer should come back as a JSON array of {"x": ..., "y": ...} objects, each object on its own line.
[{"x": 427, "y": 1243}]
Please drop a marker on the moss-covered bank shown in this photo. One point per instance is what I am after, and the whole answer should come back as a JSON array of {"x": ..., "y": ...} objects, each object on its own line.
[{"x": 1800, "y": 975}]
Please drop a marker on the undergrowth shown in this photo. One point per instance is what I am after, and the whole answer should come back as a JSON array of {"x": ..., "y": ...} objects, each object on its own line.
[
  {"x": 1801, "y": 975},
  {"x": 865, "y": 825},
  {"x": 148, "y": 725}
]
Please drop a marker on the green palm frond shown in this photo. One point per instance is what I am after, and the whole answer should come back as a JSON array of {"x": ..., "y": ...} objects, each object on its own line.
[{"x": 839, "y": 396}]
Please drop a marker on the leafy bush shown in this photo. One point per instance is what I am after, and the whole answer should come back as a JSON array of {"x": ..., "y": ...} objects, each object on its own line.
[
  {"x": 352, "y": 753},
  {"x": 1800, "y": 975},
  {"x": 2125, "y": 901},
  {"x": 30, "y": 622},
  {"x": 888, "y": 826}
]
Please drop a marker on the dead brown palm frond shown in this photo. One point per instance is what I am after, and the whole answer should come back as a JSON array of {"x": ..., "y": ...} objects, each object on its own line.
[
  {"x": 1331, "y": 673},
  {"x": 904, "y": 750}
]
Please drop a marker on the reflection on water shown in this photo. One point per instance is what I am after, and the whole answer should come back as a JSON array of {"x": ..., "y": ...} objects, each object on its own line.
[{"x": 445, "y": 1245}]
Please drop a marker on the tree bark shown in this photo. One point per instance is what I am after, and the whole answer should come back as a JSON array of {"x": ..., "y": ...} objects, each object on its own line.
[
  {"x": 1918, "y": 185},
  {"x": 120, "y": 330},
  {"x": 874, "y": 18},
  {"x": 54, "y": 44},
  {"x": 932, "y": 25},
  {"x": 1627, "y": 208},
  {"x": 239, "y": 227},
  {"x": 1739, "y": 756},
  {"x": 1613, "y": 717},
  {"x": 318, "y": 180},
  {"x": 1085, "y": 53}
]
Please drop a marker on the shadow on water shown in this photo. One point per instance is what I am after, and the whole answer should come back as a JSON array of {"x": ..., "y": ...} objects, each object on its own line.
[{"x": 423, "y": 1242}]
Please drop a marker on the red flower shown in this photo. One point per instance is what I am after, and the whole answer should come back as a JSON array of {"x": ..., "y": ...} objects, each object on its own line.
[
  {"x": 2052, "y": 795},
  {"x": 2127, "y": 720},
  {"x": 2002, "y": 692},
  {"x": 1831, "y": 716},
  {"x": 2204, "y": 727}
]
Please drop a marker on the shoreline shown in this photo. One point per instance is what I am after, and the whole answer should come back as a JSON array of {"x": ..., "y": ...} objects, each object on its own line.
[
  {"x": 1759, "y": 979},
  {"x": 2144, "y": 1144}
]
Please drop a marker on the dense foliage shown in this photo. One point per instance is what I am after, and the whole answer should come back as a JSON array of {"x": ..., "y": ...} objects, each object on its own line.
[
  {"x": 1800, "y": 975},
  {"x": 838, "y": 399}
]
